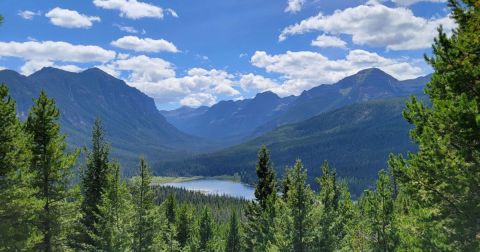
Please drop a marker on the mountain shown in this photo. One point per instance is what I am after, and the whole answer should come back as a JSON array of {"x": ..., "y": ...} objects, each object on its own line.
[
  {"x": 355, "y": 139},
  {"x": 234, "y": 121},
  {"x": 133, "y": 124},
  {"x": 229, "y": 121}
]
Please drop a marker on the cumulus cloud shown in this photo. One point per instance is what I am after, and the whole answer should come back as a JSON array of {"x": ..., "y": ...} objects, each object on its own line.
[
  {"x": 294, "y": 6},
  {"x": 329, "y": 41},
  {"x": 305, "y": 69},
  {"x": 410, "y": 2},
  {"x": 55, "y": 51},
  {"x": 133, "y": 9},
  {"x": 375, "y": 25},
  {"x": 32, "y": 66},
  {"x": 27, "y": 14},
  {"x": 128, "y": 29},
  {"x": 258, "y": 83},
  {"x": 144, "y": 45},
  {"x": 70, "y": 18},
  {"x": 196, "y": 100}
]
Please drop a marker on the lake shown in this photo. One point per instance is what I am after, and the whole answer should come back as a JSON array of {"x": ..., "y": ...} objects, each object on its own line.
[{"x": 217, "y": 186}]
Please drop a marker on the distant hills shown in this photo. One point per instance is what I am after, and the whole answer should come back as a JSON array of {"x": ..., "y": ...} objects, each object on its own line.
[
  {"x": 237, "y": 121},
  {"x": 354, "y": 123},
  {"x": 355, "y": 139},
  {"x": 134, "y": 125}
]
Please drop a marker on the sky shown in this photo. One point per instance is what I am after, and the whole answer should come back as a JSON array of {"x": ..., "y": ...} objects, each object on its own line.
[{"x": 194, "y": 53}]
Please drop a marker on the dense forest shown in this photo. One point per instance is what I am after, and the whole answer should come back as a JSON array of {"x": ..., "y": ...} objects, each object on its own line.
[{"x": 426, "y": 201}]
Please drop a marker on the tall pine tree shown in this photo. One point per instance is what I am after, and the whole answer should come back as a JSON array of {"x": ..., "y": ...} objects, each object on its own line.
[
  {"x": 18, "y": 204},
  {"x": 145, "y": 216},
  {"x": 260, "y": 213},
  {"x": 205, "y": 230},
  {"x": 444, "y": 175},
  {"x": 233, "y": 236},
  {"x": 94, "y": 184},
  {"x": 51, "y": 166}
]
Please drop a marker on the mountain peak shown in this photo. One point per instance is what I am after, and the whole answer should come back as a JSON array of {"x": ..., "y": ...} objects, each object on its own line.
[
  {"x": 50, "y": 70},
  {"x": 266, "y": 95}
]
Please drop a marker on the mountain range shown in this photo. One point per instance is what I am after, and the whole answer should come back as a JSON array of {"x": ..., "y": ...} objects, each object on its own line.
[
  {"x": 237, "y": 121},
  {"x": 132, "y": 122},
  {"x": 354, "y": 123}
]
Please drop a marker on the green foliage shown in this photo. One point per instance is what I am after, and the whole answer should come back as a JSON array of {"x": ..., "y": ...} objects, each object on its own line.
[
  {"x": 444, "y": 175},
  {"x": 184, "y": 226},
  {"x": 300, "y": 201},
  {"x": 94, "y": 185},
  {"x": 144, "y": 211},
  {"x": 18, "y": 204},
  {"x": 205, "y": 230},
  {"x": 260, "y": 213},
  {"x": 50, "y": 165},
  {"x": 233, "y": 237},
  {"x": 114, "y": 220}
]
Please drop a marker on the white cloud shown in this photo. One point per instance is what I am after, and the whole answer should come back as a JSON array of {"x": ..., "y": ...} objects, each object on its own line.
[
  {"x": 258, "y": 83},
  {"x": 70, "y": 18},
  {"x": 304, "y": 70},
  {"x": 55, "y": 51},
  {"x": 144, "y": 45},
  {"x": 329, "y": 41},
  {"x": 128, "y": 29},
  {"x": 294, "y": 6},
  {"x": 132, "y": 9},
  {"x": 32, "y": 66},
  {"x": 29, "y": 15},
  {"x": 409, "y": 2},
  {"x": 172, "y": 12},
  {"x": 375, "y": 25},
  {"x": 196, "y": 100}
]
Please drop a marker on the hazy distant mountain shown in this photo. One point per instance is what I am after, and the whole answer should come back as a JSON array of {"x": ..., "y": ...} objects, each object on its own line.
[
  {"x": 134, "y": 126},
  {"x": 239, "y": 120},
  {"x": 229, "y": 121},
  {"x": 356, "y": 139}
]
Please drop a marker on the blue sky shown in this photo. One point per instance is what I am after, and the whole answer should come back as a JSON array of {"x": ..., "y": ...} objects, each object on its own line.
[{"x": 200, "y": 52}]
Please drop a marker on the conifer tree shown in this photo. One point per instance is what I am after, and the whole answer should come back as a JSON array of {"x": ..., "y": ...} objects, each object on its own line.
[
  {"x": 51, "y": 166},
  {"x": 444, "y": 174},
  {"x": 378, "y": 209},
  {"x": 300, "y": 203},
  {"x": 18, "y": 204},
  {"x": 115, "y": 214},
  {"x": 233, "y": 236},
  {"x": 94, "y": 184},
  {"x": 260, "y": 213},
  {"x": 205, "y": 230},
  {"x": 184, "y": 224},
  {"x": 145, "y": 215}
]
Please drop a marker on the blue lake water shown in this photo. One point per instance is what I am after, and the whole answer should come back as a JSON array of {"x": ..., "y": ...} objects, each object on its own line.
[{"x": 216, "y": 186}]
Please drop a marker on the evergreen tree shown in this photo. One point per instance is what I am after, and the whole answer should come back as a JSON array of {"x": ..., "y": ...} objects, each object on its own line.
[
  {"x": 171, "y": 209},
  {"x": 18, "y": 203},
  {"x": 115, "y": 214},
  {"x": 300, "y": 203},
  {"x": 444, "y": 175},
  {"x": 51, "y": 167},
  {"x": 260, "y": 214},
  {"x": 145, "y": 218},
  {"x": 205, "y": 230},
  {"x": 233, "y": 237},
  {"x": 94, "y": 184},
  {"x": 378, "y": 209},
  {"x": 184, "y": 224}
]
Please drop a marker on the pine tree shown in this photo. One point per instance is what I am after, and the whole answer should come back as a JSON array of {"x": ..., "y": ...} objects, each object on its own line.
[
  {"x": 94, "y": 184},
  {"x": 260, "y": 214},
  {"x": 184, "y": 224},
  {"x": 233, "y": 237},
  {"x": 18, "y": 204},
  {"x": 444, "y": 175},
  {"x": 205, "y": 230},
  {"x": 378, "y": 209},
  {"x": 51, "y": 167},
  {"x": 115, "y": 214},
  {"x": 145, "y": 215},
  {"x": 300, "y": 203}
]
